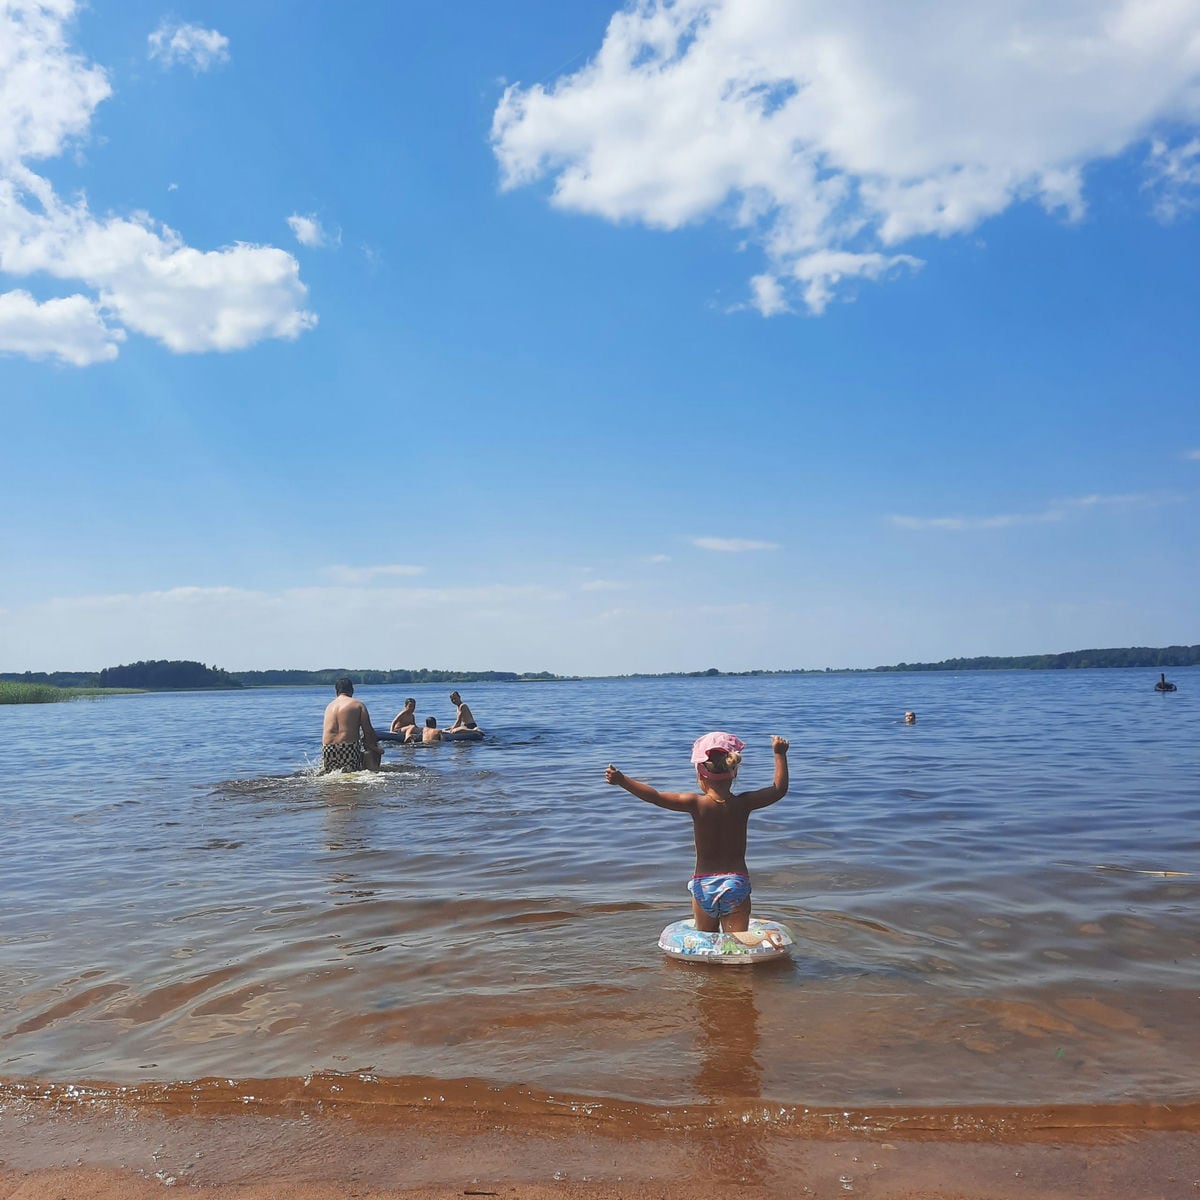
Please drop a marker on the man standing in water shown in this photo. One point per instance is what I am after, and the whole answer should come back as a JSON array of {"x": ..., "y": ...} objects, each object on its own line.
[{"x": 348, "y": 740}]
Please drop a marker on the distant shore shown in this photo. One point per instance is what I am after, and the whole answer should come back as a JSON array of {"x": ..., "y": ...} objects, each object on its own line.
[{"x": 35, "y": 687}]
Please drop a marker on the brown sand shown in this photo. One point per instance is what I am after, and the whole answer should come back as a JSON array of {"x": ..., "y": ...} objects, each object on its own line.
[{"x": 52, "y": 1152}]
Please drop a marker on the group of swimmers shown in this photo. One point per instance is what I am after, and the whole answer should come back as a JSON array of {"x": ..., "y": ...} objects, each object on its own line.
[
  {"x": 405, "y": 722},
  {"x": 349, "y": 741}
]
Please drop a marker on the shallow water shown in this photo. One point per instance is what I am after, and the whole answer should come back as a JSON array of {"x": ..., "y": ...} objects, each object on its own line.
[{"x": 996, "y": 906}]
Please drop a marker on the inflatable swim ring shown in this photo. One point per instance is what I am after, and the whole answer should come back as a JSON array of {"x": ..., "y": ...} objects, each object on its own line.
[
  {"x": 764, "y": 940},
  {"x": 389, "y": 737}
]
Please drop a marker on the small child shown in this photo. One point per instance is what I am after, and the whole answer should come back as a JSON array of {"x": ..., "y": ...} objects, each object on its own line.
[{"x": 720, "y": 886}]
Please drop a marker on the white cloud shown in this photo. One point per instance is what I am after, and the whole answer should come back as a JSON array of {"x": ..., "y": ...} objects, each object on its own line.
[
  {"x": 71, "y": 329},
  {"x": 1192, "y": 455},
  {"x": 832, "y": 133},
  {"x": 732, "y": 545},
  {"x": 1174, "y": 175},
  {"x": 47, "y": 92},
  {"x": 1004, "y": 521},
  {"x": 189, "y": 45},
  {"x": 658, "y": 558},
  {"x": 142, "y": 275},
  {"x": 310, "y": 232},
  {"x": 769, "y": 295},
  {"x": 358, "y": 575},
  {"x": 1057, "y": 510},
  {"x": 602, "y": 585}
]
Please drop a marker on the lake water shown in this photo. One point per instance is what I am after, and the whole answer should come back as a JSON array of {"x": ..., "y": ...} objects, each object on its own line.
[{"x": 994, "y": 908}]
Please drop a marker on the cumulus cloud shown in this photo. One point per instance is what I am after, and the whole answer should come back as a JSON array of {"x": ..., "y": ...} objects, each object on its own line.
[
  {"x": 830, "y": 134},
  {"x": 174, "y": 44},
  {"x": 1057, "y": 510},
  {"x": 732, "y": 545},
  {"x": 310, "y": 232},
  {"x": 71, "y": 329},
  {"x": 352, "y": 576},
  {"x": 141, "y": 273}
]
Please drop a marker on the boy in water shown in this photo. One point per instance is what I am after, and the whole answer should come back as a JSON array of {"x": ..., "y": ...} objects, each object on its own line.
[
  {"x": 720, "y": 885},
  {"x": 406, "y": 721},
  {"x": 463, "y": 719}
]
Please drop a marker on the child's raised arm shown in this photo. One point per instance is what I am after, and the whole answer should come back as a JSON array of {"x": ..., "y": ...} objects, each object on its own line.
[
  {"x": 779, "y": 789},
  {"x": 677, "y": 801}
]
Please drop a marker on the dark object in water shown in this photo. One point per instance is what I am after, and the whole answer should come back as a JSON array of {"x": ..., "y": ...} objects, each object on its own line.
[{"x": 1163, "y": 686}]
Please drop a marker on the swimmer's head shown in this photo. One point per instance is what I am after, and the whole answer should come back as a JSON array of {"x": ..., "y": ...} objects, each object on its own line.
[
  {"x": 910, "y": 717},
  {"x": 455, "y": 698},
  {"x": 344, "y": 686},
  {"x": 431, "y": 722},
  {"x": 410, "y": 702}
]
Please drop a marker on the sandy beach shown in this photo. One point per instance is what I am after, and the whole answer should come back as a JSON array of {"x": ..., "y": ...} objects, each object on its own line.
[{"x": 53, "y": 1150}]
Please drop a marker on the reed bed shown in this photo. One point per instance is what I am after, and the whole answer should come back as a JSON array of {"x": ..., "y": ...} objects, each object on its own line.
[{"x": 14, "y": 692}]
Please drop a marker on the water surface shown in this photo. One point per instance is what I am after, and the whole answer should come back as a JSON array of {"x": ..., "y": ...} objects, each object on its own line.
[{"x": 996, "y": 906}]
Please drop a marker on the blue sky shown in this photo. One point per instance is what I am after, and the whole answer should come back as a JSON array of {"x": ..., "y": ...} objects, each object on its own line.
[{"x": 597, "y": 340}]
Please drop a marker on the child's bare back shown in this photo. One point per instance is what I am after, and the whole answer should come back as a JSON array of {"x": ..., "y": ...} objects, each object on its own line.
[{"x": 720, "y": 884}]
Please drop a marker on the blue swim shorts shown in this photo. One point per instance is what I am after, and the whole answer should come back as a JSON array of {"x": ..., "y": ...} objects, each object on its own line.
[{"x": 719, "y": 895}]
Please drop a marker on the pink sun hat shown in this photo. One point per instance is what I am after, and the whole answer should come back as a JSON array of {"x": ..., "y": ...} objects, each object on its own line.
[{"x": 715, "y": 741}]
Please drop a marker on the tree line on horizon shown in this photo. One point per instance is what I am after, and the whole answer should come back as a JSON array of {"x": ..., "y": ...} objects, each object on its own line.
[
  {"x": 1128, "y": 656},
  {"x": 186, "y": 675}
]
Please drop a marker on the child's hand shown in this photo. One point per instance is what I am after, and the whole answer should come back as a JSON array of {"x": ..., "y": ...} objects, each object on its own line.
[
  {"x": 611, "y": 774},
  {"x": 779, "y": 745}
]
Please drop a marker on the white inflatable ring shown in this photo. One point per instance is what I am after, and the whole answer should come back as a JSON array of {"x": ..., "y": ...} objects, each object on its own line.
[{"x": 762, "y": 941}]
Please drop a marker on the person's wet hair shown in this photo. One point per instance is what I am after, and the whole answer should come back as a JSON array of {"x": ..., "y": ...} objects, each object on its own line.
[{"x": 344, "y": 686}]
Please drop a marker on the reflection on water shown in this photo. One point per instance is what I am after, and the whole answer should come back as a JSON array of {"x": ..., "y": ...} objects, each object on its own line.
[
  {"x": 994, "y": 906},
  {"x": 726, "y": 1020}
]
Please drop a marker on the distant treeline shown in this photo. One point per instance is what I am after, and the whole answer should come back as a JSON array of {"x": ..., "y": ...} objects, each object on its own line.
[
  {"x": 1128, "y": 656},
  {"x": 421, "y": 675},
  {"x": 163, "y": 675},
  {"x": 167, "y": 675},
  {"x": 182, "y": 675}
]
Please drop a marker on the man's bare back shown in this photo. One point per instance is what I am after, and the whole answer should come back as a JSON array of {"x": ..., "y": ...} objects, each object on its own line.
[{"x": 347, "y": 722}]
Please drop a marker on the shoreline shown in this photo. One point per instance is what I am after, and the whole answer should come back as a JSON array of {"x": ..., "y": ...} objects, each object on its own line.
[
  {"x": 115, "y": 1150},
  {"x": 371, "y": 1100}
]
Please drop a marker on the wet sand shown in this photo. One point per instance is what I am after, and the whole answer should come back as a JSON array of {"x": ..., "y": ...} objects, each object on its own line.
[{"x": 52, "y": 1149}]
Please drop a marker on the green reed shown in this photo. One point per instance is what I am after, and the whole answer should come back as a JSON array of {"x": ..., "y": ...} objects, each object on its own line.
[{"x": 14, "y": 692}]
